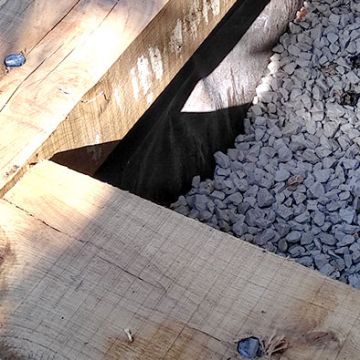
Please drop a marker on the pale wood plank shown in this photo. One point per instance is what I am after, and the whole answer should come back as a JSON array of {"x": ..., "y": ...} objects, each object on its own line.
[
  {"x": 76, "y": 44},
  {"x": 142, "y": 72},
  {"x": 70, "y": 58},
  {"x": 87, "y": 260}
]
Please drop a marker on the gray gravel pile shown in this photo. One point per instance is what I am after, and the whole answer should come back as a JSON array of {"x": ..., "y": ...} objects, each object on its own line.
[{"x": 291, "y": 184}]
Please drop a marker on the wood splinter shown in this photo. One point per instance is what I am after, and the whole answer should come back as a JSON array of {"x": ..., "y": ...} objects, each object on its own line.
[{"x": 129, "y": 335}]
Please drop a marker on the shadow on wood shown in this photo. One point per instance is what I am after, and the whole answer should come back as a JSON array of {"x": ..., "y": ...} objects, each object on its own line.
[{"x": 167, "y": 147}]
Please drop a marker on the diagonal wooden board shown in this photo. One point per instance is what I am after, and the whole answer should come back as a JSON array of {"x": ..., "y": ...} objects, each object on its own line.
[
  {"x": 134, "y": 47},
  {"x": 82, "y": 261}
]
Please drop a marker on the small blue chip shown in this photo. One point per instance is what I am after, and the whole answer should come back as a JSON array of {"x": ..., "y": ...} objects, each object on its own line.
[
  {"x": 250, "y": 348},
  {"x": 15, "y": 60}
]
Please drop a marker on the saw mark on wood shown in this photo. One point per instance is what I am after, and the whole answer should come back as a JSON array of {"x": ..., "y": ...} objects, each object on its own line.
[
  {"x": 7, "y": 259},
  {"x": 8, "y": 353}
]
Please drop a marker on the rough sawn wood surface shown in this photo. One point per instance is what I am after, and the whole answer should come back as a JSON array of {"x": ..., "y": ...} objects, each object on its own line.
[{"x": 81, "y": 261}]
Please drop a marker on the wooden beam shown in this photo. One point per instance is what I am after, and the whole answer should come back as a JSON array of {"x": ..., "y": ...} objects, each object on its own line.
[
  {"x": 71, "y": 47},
  {"x": 111, "y": 108},
  {"x": 81, "y": 261}
]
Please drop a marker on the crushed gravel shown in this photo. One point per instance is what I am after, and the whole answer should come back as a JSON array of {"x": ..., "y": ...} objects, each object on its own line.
[{"x": 291, "y": 184}]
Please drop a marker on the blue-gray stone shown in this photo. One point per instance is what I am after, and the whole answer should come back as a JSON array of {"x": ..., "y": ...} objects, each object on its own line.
[
  {"x": 264, "y": 198},
  {"x": 293, "y": 237},
  {"x": 347, "y": 214},
  {"x": 250, "y": 348},
  {"x": 318, "y": 218},
  {"x": 317, "y": 190},
  {"x": 14, "y": 60}
]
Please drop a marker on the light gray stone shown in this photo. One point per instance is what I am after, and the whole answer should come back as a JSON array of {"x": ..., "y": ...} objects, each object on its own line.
[
  {"x": 346, "y": 240},
  {"x": 296, "y": 251},
  {"x": 347, "y": 214},
  {"x": 282, "y": 229},
  {"x": 290, "y": 68},
  {"x": 241, "y": 184},
  {"x": 344, "y": 195},
  {"x": 299, "y": 197},
  {"x": 306, "y": 238},
  {"x": 310, "y": 156},
  {"x": 327, "y": 239},
  {"x": 239, "y": 228},
  {"x": 236, "y": 198},
  {"x": 319, "y": 218},
  {"x": 327, "y": 269},
  {"x": 317, "y": 190},
  {"x": 264, "y": 198},
  {"x": 282, "y": 175},
  {"x": 321, "y": 260},
  {"x": 282, "y": 245},
  {"x": 305, "y": 260},
  {"x": 218, "y": 195},
  {"x": 323, "y": 175},
  {"x": 293, "y": 237},
  {"x": 285, "y": 154},
  {"x": 302, "y": 218},
  {"x": 222, "y": 159},
  {"x": 354, "y": 280},
  {"x": 330, "y": 128},
  {"x": 200, "y": 202}
]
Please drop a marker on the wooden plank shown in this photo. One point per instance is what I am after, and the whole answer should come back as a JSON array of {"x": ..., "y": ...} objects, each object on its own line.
[
  {"x": 81, "y": 261},
  {"x": 142, "y": 72},
  {"x": 75, "y": 47}
]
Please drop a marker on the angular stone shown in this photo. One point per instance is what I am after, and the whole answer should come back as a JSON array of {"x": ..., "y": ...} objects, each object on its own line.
[
  {"x": 264, "y": 237},
  {"x": 282, "y": 245},
  {"x": 348, "y": 214},
  {"x": 354, "y": 280},
  {"x": 327, "y": 239},
  {"x": 306, "y": 261},
  {"x": 330, "y": 128},
  {"x": 303, "y": 218},
  {"x": 285, "y": 154},
  {"x": 284, "y": 212},
  {"x": 222, "y": 159},
  {"x": 347, "y": 240},
  {"x": 235, "y": 198},
  {"x": 290, "y": 68},
  {"x": 310, "y": 156},
  {"x": 293, "y": 237},
  {"x": 200, "y": 202},
  {"x": 355, "y": 256},
  {"x": 296, "y": 251},
  {"x": 282, "y": 229},
  {"x": 299, "y": 197},
  {"x": 328, "y": 162},
  {"x": 306, "y": 238},
  {"x": 241, "y": 184},
  {"x": 323, "y": 175},
  {"x": 239, "y": 228},
  {"x": 321, "y": 260},
  {"x": 318, "y": 218},
  {"x": 317, "y": 190},
  {"x": 282, "y": 175},
  {"x": 218, "y": 195},
  {"x": 333, "y": 206},
  {"x": 264, "y": 198},
  {"x": 327, "y": 269},
  {"x": 345, "y": 195}
]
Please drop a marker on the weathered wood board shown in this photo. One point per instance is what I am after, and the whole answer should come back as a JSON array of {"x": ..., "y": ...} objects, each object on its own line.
[
  {"x": 141, "y": 73},
  {"x": 81, "y": 261},
  {"x": 134, "y": 47}
]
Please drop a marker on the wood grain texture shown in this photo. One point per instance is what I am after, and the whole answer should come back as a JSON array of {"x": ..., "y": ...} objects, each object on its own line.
[
  {"x": 70, "y": 45},
  {"x": 81, "y": 261},
  {"x": 142, "y": 72},
  {"x": 83, "y": 41}
]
